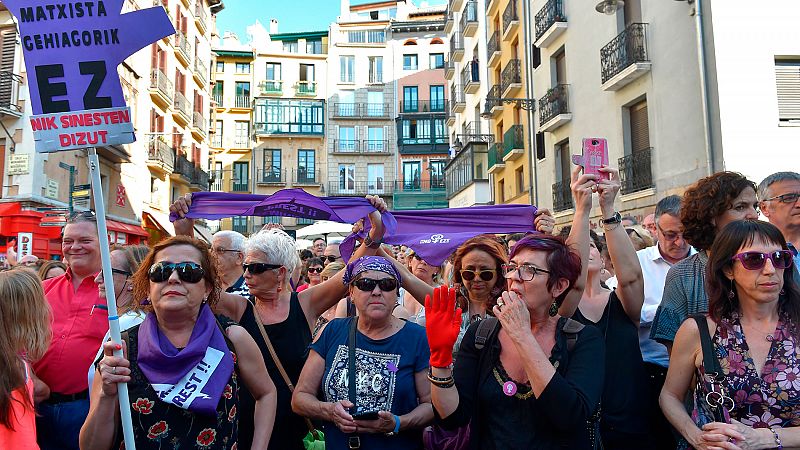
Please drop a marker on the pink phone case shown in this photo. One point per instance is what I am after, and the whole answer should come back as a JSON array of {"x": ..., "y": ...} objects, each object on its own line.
[{"x": 595, "y": 155}]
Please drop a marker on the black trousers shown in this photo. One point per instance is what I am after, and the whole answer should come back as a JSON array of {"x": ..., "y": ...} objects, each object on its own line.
[{"x": 663, "y": 437}]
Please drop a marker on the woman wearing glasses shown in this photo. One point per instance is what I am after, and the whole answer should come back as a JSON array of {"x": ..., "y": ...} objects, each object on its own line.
[
  {"x": 312, "y": 273},
  {"x": 754, "y": 312},
  {"x": 392, "y": 396},
  {"x": 182, "y": 367},
  {"x": 534, "y": 381}
]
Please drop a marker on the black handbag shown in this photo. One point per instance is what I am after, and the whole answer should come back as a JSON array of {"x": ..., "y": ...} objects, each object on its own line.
[{"x": 711, "y": 400}]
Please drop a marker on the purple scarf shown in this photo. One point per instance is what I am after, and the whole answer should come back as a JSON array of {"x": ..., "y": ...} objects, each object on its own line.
[
  {"x": 436, "y": 233},
  {"x": 193, "y": 378},
  {"x": 365, "y": 263}
]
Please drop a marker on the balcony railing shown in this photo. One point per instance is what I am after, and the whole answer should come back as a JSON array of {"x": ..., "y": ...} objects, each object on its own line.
[
  {"x": 449, "y": 69},
  {"x": 417, "y": 185},
  {"x": 302, "y": 176},
  {"x": 200, "y": 179},
  {"x": 457, "y": 96},
  {"x": 456, "y": 44},
  {"x": 496, "y": 155},
  {"x": 493, "y": 98},
  {"x": 551, "y": 12},
  {"x": 493, "y": 45},
  {"x": 553, "y": 103},
  {"x": 345, "y": 146},
  {"x": 470, "y": 73},
  {"x": 182, "y": 45},
  {"x": 469, "y": 16},
  {"x": 510, "y": 15},
  {"x": 511, "y": 74},
  {"x": 422, "y": 106},
  {"x": 181, "y": 104},
  {"x": 160, "y": 82},
  {"x": 218, "y": 184},
  {"x": 635, "y": 171},
  {"x": 360, "y": 188},
  {"x": 472, "y": 134},
  {"x": 271, "y": 87},
  {"x": 467, "y": 168},
  {"x": 159, "y": 152},
  {"x": 449, "y": 20},
  {"x": 198, "y": 122},
  {"x": 306, "y": 88},
  {"x": 218, "y": 99},
  {"x": 201, "y": 70},
  {"x": 629, "y": 47},
  {"x": 200, "y": 15},
  {"x": 361, "y": 110},
  {"x": 513, "y": 139},
  {"x": 242, "y": 101},
  {"x": 562, "y": 196},
  {"x": 9, "y": 93},
  {"x": 270, "y": 175},
  {"x": 240, "y": 185},
  {"x": 184, "y": 167}
]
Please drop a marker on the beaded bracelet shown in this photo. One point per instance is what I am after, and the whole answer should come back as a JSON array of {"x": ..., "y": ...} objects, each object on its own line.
[
  {"x": 443, "y": 383},
  {"x": 777, "y": 439}
]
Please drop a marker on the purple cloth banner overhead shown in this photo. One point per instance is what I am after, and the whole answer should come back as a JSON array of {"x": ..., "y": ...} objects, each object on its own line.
[{"x": 436, "y": 233}]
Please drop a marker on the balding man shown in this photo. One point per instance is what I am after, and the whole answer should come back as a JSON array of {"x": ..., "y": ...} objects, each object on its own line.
[{"x": 331, "y": 254}]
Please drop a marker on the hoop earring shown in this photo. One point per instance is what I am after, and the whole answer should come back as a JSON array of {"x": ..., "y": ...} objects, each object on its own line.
[
  {"x": 783, "y": 291},
  {"x": 553, "y": 310}
]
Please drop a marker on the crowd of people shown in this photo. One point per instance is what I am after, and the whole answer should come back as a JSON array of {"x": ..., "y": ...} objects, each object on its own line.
[{"x": 677, "y": 332}]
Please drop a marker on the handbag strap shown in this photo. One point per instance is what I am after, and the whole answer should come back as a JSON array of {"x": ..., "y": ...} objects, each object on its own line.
[
  {"x": 278, "y": 363},
  {"x": 711, "y": 364},
  {"x": 351, "y": 363}
]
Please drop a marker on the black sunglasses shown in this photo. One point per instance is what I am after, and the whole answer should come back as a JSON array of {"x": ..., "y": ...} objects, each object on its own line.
[
  {"x": 485, "y": 275},
  {"x": 331, "y": 258},
  {"x": 259, "y": 268},
  {"x": 121, "y": 272},
  {"x": 188, "y": 272},
  {"x": 368, "y": 284},
  {"x": 315, "y": 270}
]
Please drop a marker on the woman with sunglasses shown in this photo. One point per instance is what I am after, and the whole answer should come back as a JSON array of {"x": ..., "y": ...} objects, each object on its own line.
[
  {"x": 392, "y": 394},
  {"x": 287, "y": 318},
  {"x": 312, "y": 273},
  {"x": 753, "y": 318},
  {"x": 623, "y": 420},
  {"x": 184, "y": 368},
  {"x": 532, "y": 382},
  {"x": 125, "y": 261}
]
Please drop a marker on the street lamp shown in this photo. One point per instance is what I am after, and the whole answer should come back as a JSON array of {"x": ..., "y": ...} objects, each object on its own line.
[{"x": 609, "y": 7}]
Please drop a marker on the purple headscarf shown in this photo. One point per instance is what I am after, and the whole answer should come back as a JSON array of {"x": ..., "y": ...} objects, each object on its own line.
[{"x": 365, "y": 263}]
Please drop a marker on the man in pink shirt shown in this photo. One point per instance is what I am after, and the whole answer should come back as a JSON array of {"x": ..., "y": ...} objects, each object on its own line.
[{"x": 80, "y": 320}]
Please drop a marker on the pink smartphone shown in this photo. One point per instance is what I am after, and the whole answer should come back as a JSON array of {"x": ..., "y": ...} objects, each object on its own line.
[{"x": 595, "y": 155}]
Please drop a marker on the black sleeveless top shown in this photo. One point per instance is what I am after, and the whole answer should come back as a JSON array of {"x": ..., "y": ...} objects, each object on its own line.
[
  {"x": 622, "y": 408},
  {"x": 290, "y": 339},
  {"x": 163, "y": 426}
]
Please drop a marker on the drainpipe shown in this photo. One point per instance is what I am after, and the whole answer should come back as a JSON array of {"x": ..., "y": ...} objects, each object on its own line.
[
  {"x": 533, "y": 179},
  {"x": 701, "y": 57}
]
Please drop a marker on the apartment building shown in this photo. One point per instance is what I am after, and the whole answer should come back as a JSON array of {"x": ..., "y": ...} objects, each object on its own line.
[
  {"x": 467, "y": 173},
  {"x": 419, "y": 47}
]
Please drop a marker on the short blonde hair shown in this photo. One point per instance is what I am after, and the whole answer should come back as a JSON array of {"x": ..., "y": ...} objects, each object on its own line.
[
  {"x": 331, "y": 269},
  {"x": 640, "y": 237}
]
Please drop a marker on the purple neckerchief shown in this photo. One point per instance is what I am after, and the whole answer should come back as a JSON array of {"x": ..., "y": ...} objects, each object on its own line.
[
  {"x": 194, "y": 377},
  {"x": 286, "y": 203},
  {"x": 436, "y": 233},
  {"x": 365, "y": 263}
]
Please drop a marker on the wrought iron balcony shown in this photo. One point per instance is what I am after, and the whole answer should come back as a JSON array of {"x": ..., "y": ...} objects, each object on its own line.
[
  {"x": 346, "y": 146},
  {"x": 270, "y": 175},
  {"x": 496, "y": 162},
  {"x": 183, "y": 50},
  {"x": 511, "y": 77},
  {"x": 242, "y": 101},
  {"x": 625, "y": 50},
  {"x": 550, "y": 14},
  {"x": 217, "y": 97},
  {"x": 200, "y": 16},
  {"x": 562, "y": 196},
  {"x": 469, "y": 18},
  {"x": 456, "y": 46},
  {"x": 635, "y": 171},
  {"x": 198, "y": 123},
  {"x": 457, "y": 98},
  {"x": 184, "y": 167},
  {"x": 554, "y": 103},
  {"x": 510, "y": 19},
  {"x": 493, "y": 47},
  {"x": 449, "y": 69},
  {"x": 419, "y": 194},
  {"x": 361, "y": 110},
  {"x": 470, "y": 77},
  {"x": 240, "y": 185},
  {"x": 513, "y": 139},
  {"x": 303, "y": 176},
  {"x": 471, "y": 134},
  {"x": 217, "y": 175},
  {"x": 200, "y": 71},
  {"x": 306, "y": 88},
  {"x": 493, "y": 103},
  {"x": 359, "y": 188},
  {"x": 200, "y": 179},
  {"x": 9, "y": 94},
  {"x": 161, "y": 155},
  {"x": 449, "y": 21},
  {"x": 182, "y": 107},
  {"x": 423, "y": 106},
  {"x": 161, "y": 85},
  {"x": 271, "y": 87}
]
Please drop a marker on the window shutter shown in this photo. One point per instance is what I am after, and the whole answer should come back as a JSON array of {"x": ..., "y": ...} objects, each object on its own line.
[
  {"x": 640, "y": 128},
  {"x": 9, "y": 37},
  {"x": 787, "y": 77}
]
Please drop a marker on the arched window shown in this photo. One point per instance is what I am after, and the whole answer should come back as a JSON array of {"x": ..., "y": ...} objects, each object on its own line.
[
  {"x": 410, "y": 42},
  {"x": 436, "y": 41}
]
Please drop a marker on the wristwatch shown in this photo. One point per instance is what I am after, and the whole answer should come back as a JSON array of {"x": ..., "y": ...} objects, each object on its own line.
[
  {"x": 370, "y": 243},
  {"x": 616, "y": 218}
]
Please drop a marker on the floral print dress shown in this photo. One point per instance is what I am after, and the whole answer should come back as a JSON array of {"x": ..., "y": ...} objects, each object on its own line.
[
  {"x": 161, "y": 426},
  {"x": 771, "y": 399}
]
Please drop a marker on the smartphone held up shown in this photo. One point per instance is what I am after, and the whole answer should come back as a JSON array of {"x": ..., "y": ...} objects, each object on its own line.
[{"x": 595, "y": 155}]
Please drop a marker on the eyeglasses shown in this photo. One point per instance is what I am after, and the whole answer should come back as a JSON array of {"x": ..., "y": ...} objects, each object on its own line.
[
  {"x": 331, "y": 258},
  {"x": 485, "y": 275},
  {"x": 259, "y": 268},
  {"x": 790, "y": 197},
  {"x": 315, "y": 270},
  {"x": 669, "y": 236},
  {"x": 188, "y": 272},
  {"x": 122, "y": 272},
  {"x": 526, "y": 271},
  {"x": 223, "y": 250},
  {"x": 781, "y": 259},
  {"x": 368, "y": 284}
]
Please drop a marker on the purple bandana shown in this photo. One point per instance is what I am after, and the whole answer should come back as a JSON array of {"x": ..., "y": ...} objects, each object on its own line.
[
  {"x": 194, "y": 377},
  {"x": 365, "y": 263}
]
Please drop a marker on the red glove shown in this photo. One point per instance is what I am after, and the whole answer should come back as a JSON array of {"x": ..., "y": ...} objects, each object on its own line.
[{"x": 442, "y": 323}]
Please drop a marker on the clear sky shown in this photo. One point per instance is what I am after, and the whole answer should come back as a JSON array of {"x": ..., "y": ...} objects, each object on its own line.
[{"x": 292, "y": 15}]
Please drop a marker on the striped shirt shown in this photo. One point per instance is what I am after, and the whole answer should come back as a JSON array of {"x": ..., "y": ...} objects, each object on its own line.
[
  {"x": 684, "y": 295},
  {"x": 239, "y": 288}
]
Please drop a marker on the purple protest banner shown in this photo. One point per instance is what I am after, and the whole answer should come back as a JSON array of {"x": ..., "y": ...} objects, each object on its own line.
[{"x": 72, "y": 50}]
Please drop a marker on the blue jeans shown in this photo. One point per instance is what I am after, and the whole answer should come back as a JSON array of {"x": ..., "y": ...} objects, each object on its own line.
[{"x": 59, "y": 425}]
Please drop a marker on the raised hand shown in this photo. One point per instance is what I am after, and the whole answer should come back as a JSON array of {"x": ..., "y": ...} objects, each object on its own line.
[
  {"x": 607, "y": 189},
  {"x": 442, "y": 323},
  {"x": 544, "y": 221},
  {"x": 180, "y": 207},
  {"x": 582, "y": 187}
]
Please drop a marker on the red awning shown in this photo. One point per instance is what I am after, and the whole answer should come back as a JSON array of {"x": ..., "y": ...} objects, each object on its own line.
[{"x": 113, "y": 225}]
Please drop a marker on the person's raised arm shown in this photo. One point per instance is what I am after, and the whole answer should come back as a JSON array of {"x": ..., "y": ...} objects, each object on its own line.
[
  {"x": 582, "y": 187},
  {"x": 98, "y": 432},
  {"x": 318, "y": 299},
  {"x": 258, "y": 382},
  {"x": 183, "y": 226},
  {"x": 630, "y": 282},
  {"x": 442, "y": 324},
  {"x": 410, "y": 282}
]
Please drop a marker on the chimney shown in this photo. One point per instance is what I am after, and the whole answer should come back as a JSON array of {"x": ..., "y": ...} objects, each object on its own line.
[
  {"x": 273, "y": 26},
  {"x": 344, "y": 10}
]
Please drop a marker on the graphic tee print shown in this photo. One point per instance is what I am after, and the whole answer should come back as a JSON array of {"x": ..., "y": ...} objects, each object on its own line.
[{"x": 375, "y": 381}]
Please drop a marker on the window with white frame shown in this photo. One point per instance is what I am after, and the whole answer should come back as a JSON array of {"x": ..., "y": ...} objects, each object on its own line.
[{"x": 347, "y": 67}]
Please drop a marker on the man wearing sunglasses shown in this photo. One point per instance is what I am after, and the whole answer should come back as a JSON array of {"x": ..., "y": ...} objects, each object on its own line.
[
  {"x": 80, "y": 320},
  {"x": 227, "y": 248},
  {"x": 780, "y": 203},
  {"x": 331, "y": 254}
]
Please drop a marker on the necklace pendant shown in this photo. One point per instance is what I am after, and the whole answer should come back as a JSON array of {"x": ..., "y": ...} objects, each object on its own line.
[{"x": 509, "y": 388}]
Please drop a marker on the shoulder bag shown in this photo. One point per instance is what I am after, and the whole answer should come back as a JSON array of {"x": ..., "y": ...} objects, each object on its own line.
[{"x": 711, "y": 400}]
